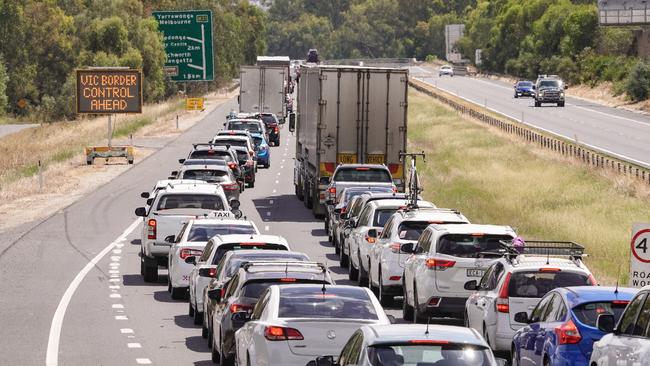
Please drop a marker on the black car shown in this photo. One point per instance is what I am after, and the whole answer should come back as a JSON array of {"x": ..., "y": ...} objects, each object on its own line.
[
  {"x": 247, "y": 164},
  {"x": 272, "y": 127},
  {"x": 312, "y": 56}
]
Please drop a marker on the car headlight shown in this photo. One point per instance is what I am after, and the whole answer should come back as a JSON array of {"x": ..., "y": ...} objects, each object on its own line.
[{"x": 562, "y": 94}]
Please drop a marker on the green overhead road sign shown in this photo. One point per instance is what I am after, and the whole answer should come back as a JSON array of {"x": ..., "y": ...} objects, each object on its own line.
[{"x": 188, "y": 43}]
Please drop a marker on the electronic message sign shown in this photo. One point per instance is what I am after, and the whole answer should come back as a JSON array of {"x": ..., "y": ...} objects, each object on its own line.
[{"x": 109, "y": 91}]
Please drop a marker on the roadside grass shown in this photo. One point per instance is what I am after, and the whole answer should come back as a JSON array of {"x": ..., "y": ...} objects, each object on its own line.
[
  {"x": 494, "y": 179},
  {"x": 60, "y": 141}
]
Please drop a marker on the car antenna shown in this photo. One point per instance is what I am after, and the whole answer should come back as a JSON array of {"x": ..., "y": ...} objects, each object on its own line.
[
  {"x": 619, "y": 274},
  {"x": 324, "y": 278},
  {"x": 548, "y": 256},
  {"x": 426, "y": 332}
]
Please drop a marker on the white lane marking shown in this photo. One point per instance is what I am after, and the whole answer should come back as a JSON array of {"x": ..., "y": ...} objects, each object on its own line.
[
  {"x": 274, "y": 191},
  {"x": 114, "y": 287},
  {"x": 115, "y": 296},
  {"x": 113, "y": 271},
  {"x": 270, "y": 202},
  {"x": 645, "y": 124},
  {"x": 115, "y": 258},
  {"x": 119, "y": 245},
  {"x": 279, "y": 173},
  {"x": 134, "y": 345},
  {"x": 131, "y": 336},
  {"x": 117, "y": 306},
  {"x": 114, "y": 280},
  {"x": 277, "y": 181},
  {"x": 126, "y": 331},
  {"x": 115, "y": 275},
  {"x": 281, "y": 166},
  {"x": 597, "y": 148},
  {"x": 283, "y": 160},
  {"x": 266, "y": 228},
  {"x": 143, "y": 361},
  {"x": 121, "y": 317},
  {"x": 117, "y": 251},
  {"x": 52, "y": 353}
]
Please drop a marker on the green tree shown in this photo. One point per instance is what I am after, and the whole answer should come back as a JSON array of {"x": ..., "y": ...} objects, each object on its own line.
[{"x": 3, "y": 86}]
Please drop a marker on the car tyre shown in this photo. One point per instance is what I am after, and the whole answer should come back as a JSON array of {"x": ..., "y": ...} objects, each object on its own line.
[
  {"x": 337, "y": 248},
  {"x": 190, "y": 310},
  {"x": 216, "y": 357},
  {"x": 198, "y": 317},
  {"x": 204, "y": 332},
  {"x": 343, "y": 258},
  {"x": 384, "y": 299},
  {"x": 299, "y": 193},
  {"x": 362, "y": 278},
  {"x": 560, "y": 104},
  {"x": 353, "y": 272},
  {"x": 516, "y": 96},
  {"x": 514, "y": 359},
  {"x": 178, "y": 293},
  {"x": 417, "y": 317},
  {"x": 169, "y": 285},
  {"x": 210, "y": 338},
  {"x": 407, "y": 310},
  {"x": 150, "y": 273},
  {"x": 224, "y": 360}
]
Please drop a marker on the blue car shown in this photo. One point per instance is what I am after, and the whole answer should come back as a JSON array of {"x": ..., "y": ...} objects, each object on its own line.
[
  {"x": 524, "y": 89},
  {"x": 562, "y": 327},
  {"x": 262, "y": 150}
]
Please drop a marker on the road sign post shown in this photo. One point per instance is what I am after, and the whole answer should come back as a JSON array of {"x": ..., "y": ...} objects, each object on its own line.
[
  {"x": 640, "y": 255},
  {"x": 187, "y": 35}
]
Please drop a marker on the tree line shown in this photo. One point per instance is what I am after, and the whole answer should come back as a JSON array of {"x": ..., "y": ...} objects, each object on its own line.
[
  {"x": 42, "y": 42},
  {"x": 523, "y": 38}
]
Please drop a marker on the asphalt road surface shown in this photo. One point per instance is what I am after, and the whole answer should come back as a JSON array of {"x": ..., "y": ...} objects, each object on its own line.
[
  {"x": 9, "y": 129},
  {"x": 113, "y": 317},
  {"x": 614, "y": 131}
]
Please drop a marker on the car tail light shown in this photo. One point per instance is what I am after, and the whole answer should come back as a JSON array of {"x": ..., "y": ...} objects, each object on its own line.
[
  {"x": 187, "y": 252},
  {"x": 332, "y": 192},
  {"x": 230, "y": 187},
  {"x": 252, "y": 244},
  {"x": 344, "y": 210},
  {"x": 212, "y": 272},
  {"x": 235, "y": 308},
  {"x": 395, "y": 247},
  {"x": 592, "y": 280},
  {"x": 549, "y": 270},
  {"x": 232, "y": 165},
  {"x": 620, "y": 302},
  {"x": 568, "y": 333},
  {"x": 151, "y": 229},
  {"x": 428, "y": 341},
  {"x": 394, "y": 189},
  {"x": 439, "y": 264},
  {"x": 395, "y": 278},
  {"x": 434, "y": 301},
  {"x": 502, "y": 304},
  {"x": 276, "y": 130},
  {"x": 273, "y": 333},
  {"x": 370, "y": 240}
]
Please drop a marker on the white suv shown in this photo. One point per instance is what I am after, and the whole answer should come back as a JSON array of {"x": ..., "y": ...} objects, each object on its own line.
[
  {"x": 444, "y": 258},
  {"x": 386, "y": 259},
  {"x": 629, "y": 342},
  {"x": 516, "y": 283}
]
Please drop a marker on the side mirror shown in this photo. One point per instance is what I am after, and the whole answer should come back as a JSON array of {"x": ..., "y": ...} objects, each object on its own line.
[
  {"x": 471, "y": 285},
  {"x": 407, "y": 248},
  {"x": 144, "y": 194},
  {"x": 141, "y": 211},
  {"x": 372, "y": 233},
  {"x": 174, "y": 173},
  {"x": 170, "y": 239},
  {"x": 181, "y": 161},
  {"x": 292, "y": 122},
  {"x": 215, "y": 294},
  {"x": 241, "y": 316},
  {"x": 325, "y": 361},
  {"x": 234, "y": 204},
  {"x": 190, "y": 260},
  {"x": 605, "y": 322},
  {"x": 149, "y": 201},
  {"x": 522, "y": 317},
  {"x": 238, "y": 214}
]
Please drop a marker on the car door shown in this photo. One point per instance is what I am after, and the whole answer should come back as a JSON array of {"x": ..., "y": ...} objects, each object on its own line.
[
  {"x": 351, "y": 351},
  {"x": 547, "y": 323},
  {"x": 245, "y": 336},
  {"x": 528, "y": 335},
  {"x": 221, "y": 309},
  {"x": 357, "y": 242},
  {"x": 419, "y": 268},
  {"x": 478, "y": 302},
  {"x": 627, "y": 341}
]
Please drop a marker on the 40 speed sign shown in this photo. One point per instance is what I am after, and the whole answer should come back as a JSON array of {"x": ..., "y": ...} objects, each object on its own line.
[{"x": 640, "y": 255}]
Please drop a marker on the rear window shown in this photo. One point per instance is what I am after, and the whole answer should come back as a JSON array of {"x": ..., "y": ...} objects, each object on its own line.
[
  {"x": 268, "y": 119},
  {"x": 340, "y": 303},
  {"x": 468, "y": 246},
  {"x": 211, "y": 154},
  {"x": 382, "y": 216},
  {"x": 242, "y": 155},
  {"x": 205, "y": 201},
  {"x": 588, "y": 313},
  {"x": 253, "y": 127},
  {"x": 257, "y": 140},
  {"x": 363, "y": 175},
  {"x": 222, "y": 249},
  {"x": 525, "y": 84},
  {"x": 212, "y": 176},
  {"x": 235, "y": 263},
  {"x": 537, "y": 284},
  {"x": 231, "y": 142},
  {"x": 411, "y": 230},
  {"x": 205, "y": 232},
  {"x": 255, "y": 289},
  {"x": 421, "y": 353}
]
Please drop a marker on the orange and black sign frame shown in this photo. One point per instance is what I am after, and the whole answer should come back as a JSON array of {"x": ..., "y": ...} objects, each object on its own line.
[{"x": 109, "y": 91}]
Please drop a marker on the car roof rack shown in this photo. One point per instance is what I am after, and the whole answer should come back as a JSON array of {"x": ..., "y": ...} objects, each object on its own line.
[
  {"x": 547, "y": 248},
  {"x": 247, "y": 265}
]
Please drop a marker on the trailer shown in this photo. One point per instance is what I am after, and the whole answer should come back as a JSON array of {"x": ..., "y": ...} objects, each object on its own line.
[
  {"x": 263, "y": 90},
  {"x": 347, "y": 114}
]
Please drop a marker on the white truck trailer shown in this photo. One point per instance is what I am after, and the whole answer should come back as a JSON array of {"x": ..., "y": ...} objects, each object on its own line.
[
  {"x": 347, "y": 114},
  {"x": 263, "y": 90}
]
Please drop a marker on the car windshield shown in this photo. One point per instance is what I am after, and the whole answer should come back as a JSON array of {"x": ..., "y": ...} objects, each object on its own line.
[
  {"x": 588, "y": 313},
  {"x": 224, "y": 248},
  {"x": 235, "y": 263},
  {"x": 363, "y": 174},
  {"x": 535, "y": 284},
  {"x": 230, "y": 142},
  {"x": 257, "y": 140},
  {"x": 205, "y": 201},
  {"x": 212, "y": 176},
  {"x": 340, "y": 303},
  {"x": 250, "y": 126},
  {"x": 382, "y": 216},
  {"x": 524, "y": 84},
  {"x": 427, "y": 352},
  {"x": 470, "y": 245},
  {"x": 549, "y": 84},
  {"x": 203, "y": 232},
  {"x": 210, "y": 154},
  {"x": 411, "y": 230}
]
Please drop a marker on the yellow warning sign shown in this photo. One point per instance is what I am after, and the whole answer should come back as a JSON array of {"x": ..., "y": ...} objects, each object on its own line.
[{"x": 194, "y": 104}]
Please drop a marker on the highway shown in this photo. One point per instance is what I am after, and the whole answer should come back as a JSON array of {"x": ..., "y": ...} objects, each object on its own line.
[
  {"x": 619, "y": 133},
  {"x": 112, "y": 317}
]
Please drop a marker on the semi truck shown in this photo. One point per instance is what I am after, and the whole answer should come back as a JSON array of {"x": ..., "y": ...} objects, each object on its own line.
[
  {"x": 263, "y": 90},
  {"x": 347, "y": 115}
]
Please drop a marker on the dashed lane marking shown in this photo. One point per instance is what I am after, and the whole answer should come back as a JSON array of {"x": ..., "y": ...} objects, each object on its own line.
[
  {"x": 115, "y": 296},
  {"x": 117, "y": 306},
  {"x": 126, "y": 331},
  {"x": 143, "y": 361},
  {"x": 270, "y": 202},
  {"x": 52, "y": 353},
  {"x": 134, "y": 345},
  {"x": 121, "y": 317}
]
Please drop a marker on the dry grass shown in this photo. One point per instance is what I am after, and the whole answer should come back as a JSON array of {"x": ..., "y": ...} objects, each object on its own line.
[{"x": 494, "y": 179}]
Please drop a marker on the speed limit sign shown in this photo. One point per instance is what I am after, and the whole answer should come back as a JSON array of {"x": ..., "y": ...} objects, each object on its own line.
[{"x": 640, "y": 255}]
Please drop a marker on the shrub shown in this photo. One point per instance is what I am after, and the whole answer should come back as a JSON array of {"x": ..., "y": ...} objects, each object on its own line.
[{"x": 637, "y": 83}]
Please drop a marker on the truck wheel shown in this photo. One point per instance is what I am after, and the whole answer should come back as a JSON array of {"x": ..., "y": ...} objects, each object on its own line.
[
  {"x": 308, "y": 199},
  {"x": 150, "y": 272},
  {"x": 560, "y": 104}
]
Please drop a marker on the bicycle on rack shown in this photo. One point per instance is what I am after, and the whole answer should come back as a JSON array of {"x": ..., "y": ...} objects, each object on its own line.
[{"x": 414, "y": 187}]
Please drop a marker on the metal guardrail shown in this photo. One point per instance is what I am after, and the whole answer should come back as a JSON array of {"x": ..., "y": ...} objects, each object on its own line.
[
  {"x": 558, "y": 145},
  {"x": 369, "y": 61}
]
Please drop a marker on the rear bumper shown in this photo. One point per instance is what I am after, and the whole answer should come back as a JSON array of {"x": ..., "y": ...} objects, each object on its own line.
[
  {"x": 180, "y": 273},
  {"x": 569, "y": 356},
  {"x": 449, "y": 306}
]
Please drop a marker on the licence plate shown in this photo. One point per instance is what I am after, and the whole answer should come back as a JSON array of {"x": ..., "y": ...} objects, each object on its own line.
[
  {"x": 475, "y": 272},
  {"x": 375, "y": 158},
  {"x": 347, "y": 158}
]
